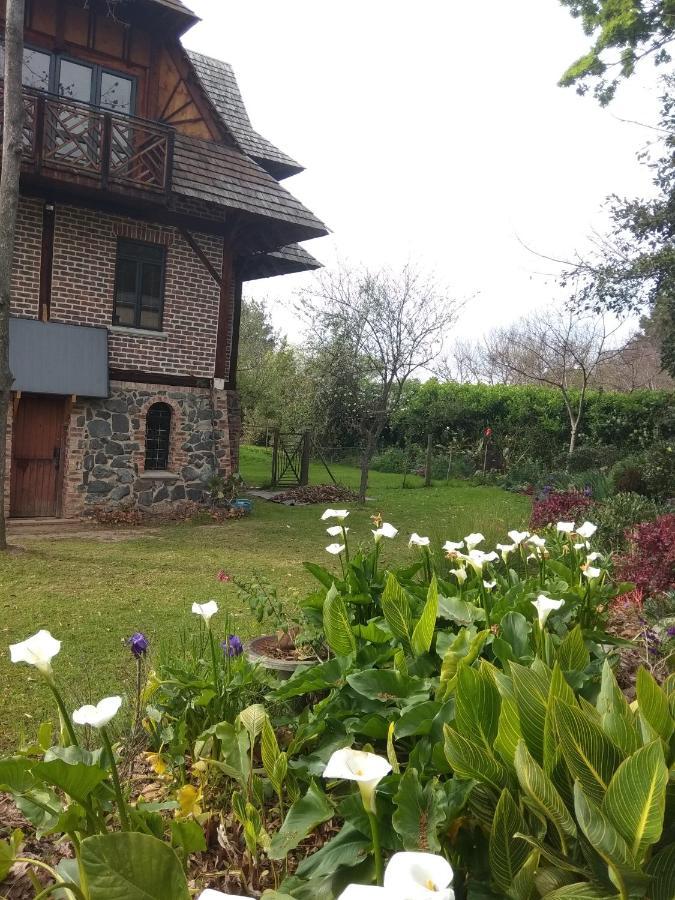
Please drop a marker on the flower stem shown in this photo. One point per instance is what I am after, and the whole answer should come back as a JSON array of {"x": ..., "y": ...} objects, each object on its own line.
[
  {"x": 214, "y": 661},
  {"x": 121, "y": 805},
  {"x": 377, "y": 848},
  {"x": 64, "y": 713}
]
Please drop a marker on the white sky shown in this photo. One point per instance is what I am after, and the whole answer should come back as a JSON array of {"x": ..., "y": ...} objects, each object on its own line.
[{"x": 434, "y": 131}]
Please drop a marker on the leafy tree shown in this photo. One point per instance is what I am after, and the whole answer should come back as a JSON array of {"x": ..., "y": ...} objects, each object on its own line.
[{"x": 623, "y": 32}]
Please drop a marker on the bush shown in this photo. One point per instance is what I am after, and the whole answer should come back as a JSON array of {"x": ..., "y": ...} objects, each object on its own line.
[
  {"x": 559, "y": 506},
  {"x": 650, "y": 560},
  {"x": 659, "y": 471},
  {"x": 620, "y": 513},
  {"x": 585, "y": 458},
  {"x": 524, "y": 473},
  {"x": 628, "y": 475},
  {"x": 393, "y": 459}
]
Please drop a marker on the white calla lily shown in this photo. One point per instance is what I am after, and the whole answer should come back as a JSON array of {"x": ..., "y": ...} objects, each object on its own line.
[
  {"x": 205, "y": 610},
  {"x": 536, "y": 541},
  {"x": 339, "y": 514},
  {"x": 582, "y": 545},
  {"x": 460, "y": 575},
  {"x": 335, "y": 549},
  {"x": 98, "y": 716},
  {"x": 478, "y": 558},
  {"x": 591, "y": 572},
  {"x": 453, "y": 546},
  {"x": 587, "y": 530},
  {"x": 545, "y": 606},
  {"x": 506, "y": 549},
  {"x": 489, "y": 585},
  {"x": 593, "y": 556},
  {"x": 473, "y": 540},
  {"x": 518, "y": 536},
  {"x": 417, "y": 541},
  {"x": 367, "y": 769},
  {"x": 37, "y": 650},
  {"x": 418, "y": 876},
  {"x": 210, "y": 894},
  {"x": 565, "y": 527},
  {"x": 336, "y": 530},
  {"x": 364, "y": 892},
  {"x": 385, "y": 530}
]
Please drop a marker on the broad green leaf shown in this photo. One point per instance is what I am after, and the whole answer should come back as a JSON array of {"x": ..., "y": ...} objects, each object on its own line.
[
  {"x": 78, "y": 780},
  {"x": 540, "y": 790},
  {"x": 515, "y": 630},
  {"x": 302, "y": 818},
  {"x": 636, "y": 799},
  {"x": 507, "y": 853},
  {"x": 419, "y": 812},
  {"x": 384, "y": 684},
  {"x": 253, "y": 719},
  {"x": 417, "y": 719},
  {"x": 396, "y": 609},
  {"x": 531, "y": 690},
  {"x": 523, "y": 884},
  {"x": 477, "y": 705},
  {"x": 553, "y": 763},
  {"x": 423, "y": 634},
  {"x": 132, "y": 866},
  {"x": 464, "y": 649},
  {"x": 15, "y": 775},
  {"x": 391, "y": 750},
  {"x": 591, "y": 756},
  {"x": 269, "y": 747},
  {"x": 662, "y": 869},
  {"x": 572, "y": 653},
  {"x": 348, "y": 848},
  {"x": 508, "y": 731},
  {"x": 563, "y": 862},
  {"x": 581, "y": 890},
  {"x": 607, "y": 842},
  {"x": 471, "y": 760},
  {"x": 188, "y": 834},
  {"x": 653, "y": 706},
  {"x": 548, "y": 879},
  {"x": 618, "y": 721},
  {"x": 336, "y": 624},
  {"x": 371, "y": 633},
  {"x": 311, "y": 679},
  {"x": 322, "y": 575},
  {"x": 459, "y": 611}
]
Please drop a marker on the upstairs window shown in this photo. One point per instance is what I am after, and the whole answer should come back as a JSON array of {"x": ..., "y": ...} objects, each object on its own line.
[
  {"x": 157, "y": 437},
  {"x": 139, "y": 285}
]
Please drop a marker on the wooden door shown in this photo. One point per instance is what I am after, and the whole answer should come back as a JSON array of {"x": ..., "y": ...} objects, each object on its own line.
[{"x": 37, "y": 456}]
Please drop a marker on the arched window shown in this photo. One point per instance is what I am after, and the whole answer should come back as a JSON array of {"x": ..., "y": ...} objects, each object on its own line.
[{"x": 157, "y": 435}]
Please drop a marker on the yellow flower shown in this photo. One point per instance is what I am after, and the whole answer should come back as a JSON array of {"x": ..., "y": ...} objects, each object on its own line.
[
  {"x": 377, "y": 520},
  {"x": 157, "y": 763},
  {"x": 188, "y": 800}
]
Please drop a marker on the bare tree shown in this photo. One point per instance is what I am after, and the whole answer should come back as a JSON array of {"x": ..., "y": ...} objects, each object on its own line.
[
  {"x": 12, "y": 146},
  {"x": 379, "y": 329},
  {"x": 560, "y": 349}
]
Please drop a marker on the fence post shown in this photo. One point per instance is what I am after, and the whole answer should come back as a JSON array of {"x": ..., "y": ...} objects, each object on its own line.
[
  {"x": 275, "y": 455},
  {"x": 305, "y": 458},
  {"x": 430, "y": 457}
]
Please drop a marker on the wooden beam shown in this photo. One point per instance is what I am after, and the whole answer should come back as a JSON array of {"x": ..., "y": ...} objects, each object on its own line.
[
  {"x": 224, "y": 335},
  {"x": 236, "y": 322},
  {"x": 159, "y": 378},
  {"x": 15, "y": 403},
  {"x": 203, "y": 258},
  {"x": 46, "y": 261}
]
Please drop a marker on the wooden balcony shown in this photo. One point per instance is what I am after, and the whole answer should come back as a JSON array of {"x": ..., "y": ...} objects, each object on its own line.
[{"x": 74, "y": 142}]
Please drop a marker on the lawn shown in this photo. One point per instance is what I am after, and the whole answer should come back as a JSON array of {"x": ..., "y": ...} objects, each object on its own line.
[{"x": 92, "y": 593}]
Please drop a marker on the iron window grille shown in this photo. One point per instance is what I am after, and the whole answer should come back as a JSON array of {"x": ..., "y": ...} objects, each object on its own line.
[{"x": 157, "y": 437}]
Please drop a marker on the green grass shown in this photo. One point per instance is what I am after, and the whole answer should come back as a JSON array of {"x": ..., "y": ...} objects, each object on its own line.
[{"x": 92, "y": 594}]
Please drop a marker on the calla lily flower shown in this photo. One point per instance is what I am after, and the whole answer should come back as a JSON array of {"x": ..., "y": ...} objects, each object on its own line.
[
  {"x": 38, "y": 651},
  {"x": 339, "y": 514},
  {"x": 452, "y": 546},
  {"x": 477, "y": 559},
  {"x": 488, "y": 585},
  {"x": 210, "y": 894},
  {"x": 473, "y": 540},
  {"x": 518, "y": 536},
  {"x": 565, "y": 527},
  {"x": 545, "y": 606},
  {"x": 418, "y": 876},
  {"x": 98, "y": 716},
  {"x": 582, "y": 545},
  {"x": 364, "y": 892},
  {"x": 367, "y": 769},
  {"x": 205, "y": 610},
  {"x": 506, "y": 549},
  {"x": 335, "y": 549},
  {"x": 417, "y": 541},
  {"x": 591, "y": 572},
  {"x": 593, "y": 556},
  {"x": 536, "y": 541},
  {"x": 460, "y": 575},
  {"x": 587, "y": 530},
  {"x": 336, "y": 530},
  {"x": 385, "y": 530}
]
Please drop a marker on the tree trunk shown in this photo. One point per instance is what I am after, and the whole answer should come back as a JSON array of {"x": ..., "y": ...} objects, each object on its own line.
[
  {"x": 573, "y": 438},
  {"x": 12, "y": 145},
  {"x": 429, "y": 461},
  {"x": 366, "y": 455}
]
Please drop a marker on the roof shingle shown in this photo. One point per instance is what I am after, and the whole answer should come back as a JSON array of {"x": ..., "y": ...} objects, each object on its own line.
[{"x": 292, "y": 258}]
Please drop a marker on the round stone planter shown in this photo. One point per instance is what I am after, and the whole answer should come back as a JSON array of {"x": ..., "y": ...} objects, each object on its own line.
[{"x": 258, "y": 651}]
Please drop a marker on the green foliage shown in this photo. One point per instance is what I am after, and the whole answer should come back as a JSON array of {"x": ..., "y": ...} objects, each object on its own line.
[
  {"x": 132, "y": 867},
  {"x": 621, "y": 512}
]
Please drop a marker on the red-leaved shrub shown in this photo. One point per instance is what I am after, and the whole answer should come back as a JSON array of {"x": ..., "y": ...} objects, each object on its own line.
[
  {"x": 559, "y": 506},
  {"x": 650, "y": 559}
]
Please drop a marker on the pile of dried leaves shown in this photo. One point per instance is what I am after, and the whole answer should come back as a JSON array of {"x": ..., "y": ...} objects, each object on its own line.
[
  {"x": 318, "y": 493},
  {"x": 180, "y": 511}
]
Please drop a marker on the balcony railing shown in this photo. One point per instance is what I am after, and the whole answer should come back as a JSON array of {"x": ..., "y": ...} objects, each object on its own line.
[{"x": 69, "y": 140}]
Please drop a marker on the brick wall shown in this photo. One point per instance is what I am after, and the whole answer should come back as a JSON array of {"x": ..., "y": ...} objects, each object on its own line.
[{"x": 83, "y": 279}]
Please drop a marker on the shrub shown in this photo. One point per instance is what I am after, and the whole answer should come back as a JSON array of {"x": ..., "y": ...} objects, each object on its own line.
[
  {"x": 393, "y": 459},
  {"x": 628, "y": 475},
  {"x": 584, "y": 458},
  {"x": 659, "y": 471},
  {"x": 650, "y": 560},
  {"x": 523, "y": 473},
  {"x": 621, "y": 512},
  {"x": 557, "y": 506}
]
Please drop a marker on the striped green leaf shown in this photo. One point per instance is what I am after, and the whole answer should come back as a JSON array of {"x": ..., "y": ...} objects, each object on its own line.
[
  {"x": 662, "y": 869},
  {"x": 582, "y": 890},
  {"x": 540, "y": 790},
  {"x": 523, "y": 884},
  {"x": 618, "y": 721},
  {"x": 396, "y": 609},
  {"x": 636, "y": 799},
  {"x": 336, "y": 624},
  {"x": 591, "y": 756},
  {"x": 507, "y": 853},
  {"x": 572, "y": 652},
  {"x": 471, "y": 760},
  {"x": 269, "y": 747},
  {"x": 253, "y": 719},
  {"x": 423, "y": 634},
  {"x": 653, "y": 707},
  {"x": 508, "y": 731},
  {"x": 477, "y": 705},
  {"x": 531, "y": 690}
]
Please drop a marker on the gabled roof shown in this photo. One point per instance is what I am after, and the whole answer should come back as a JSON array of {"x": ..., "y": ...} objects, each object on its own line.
[
  {"x": 186, "y": 17},
  {"x": 293, "y": 258},
  {"x": 220, "y": 84},
  {"x": 226, "y": 177}
]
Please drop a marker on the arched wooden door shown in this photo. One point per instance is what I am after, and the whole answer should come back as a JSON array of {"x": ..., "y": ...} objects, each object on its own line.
[{"x": 37, "y": 456}]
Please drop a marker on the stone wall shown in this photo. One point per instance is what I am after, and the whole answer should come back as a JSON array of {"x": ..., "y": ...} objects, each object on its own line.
[{"x": 105, "y": 459}]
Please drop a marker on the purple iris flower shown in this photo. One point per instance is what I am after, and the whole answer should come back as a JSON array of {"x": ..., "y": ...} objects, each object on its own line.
[
  {"x": 233, "y": 645},
  {"x": 588, "y": 490},
  {"x": 671, "y": 631},
  {"x": 138, "y": 644}
]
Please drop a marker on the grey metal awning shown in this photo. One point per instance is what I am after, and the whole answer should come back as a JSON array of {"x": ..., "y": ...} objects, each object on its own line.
[{"x": 51, "y": 358}]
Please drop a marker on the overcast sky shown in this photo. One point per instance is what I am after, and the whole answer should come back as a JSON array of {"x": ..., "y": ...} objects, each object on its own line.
[{"x": 434, "y": 131}]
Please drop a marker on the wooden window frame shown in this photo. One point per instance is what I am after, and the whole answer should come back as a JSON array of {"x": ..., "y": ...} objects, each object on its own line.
[{"x": 125, "y": 250}]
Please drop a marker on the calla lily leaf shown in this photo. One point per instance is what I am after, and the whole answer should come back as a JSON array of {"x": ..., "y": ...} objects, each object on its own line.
[
  {"x": 302, "y": 818},
  {"x": 127, "y": 866},
  {"x": 78, "y": 780}
]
